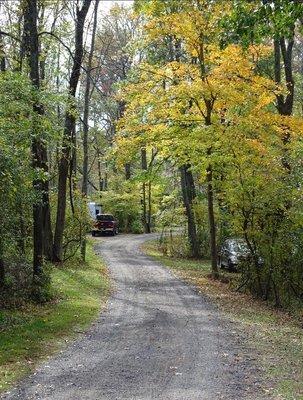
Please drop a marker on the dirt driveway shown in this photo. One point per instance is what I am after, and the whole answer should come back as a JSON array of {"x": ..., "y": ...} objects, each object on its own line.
[{"x": 157, "y": 339}]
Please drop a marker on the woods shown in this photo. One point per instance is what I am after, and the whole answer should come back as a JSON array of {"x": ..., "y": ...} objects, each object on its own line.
[
  {"x": 216, "y": 93},
  {"x": 181, "y": 123},
  {"x": 172, "y": 115}
]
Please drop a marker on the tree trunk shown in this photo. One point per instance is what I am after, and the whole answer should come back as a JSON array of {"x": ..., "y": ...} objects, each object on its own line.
[
  {"x": 86, "y": 117},
  {"x": 149, "y": 207},
  {"x": 127, "y": 166},
  {"x": 2, "y": 55},
  {"x": 127, "y": 171},
  {"x": 86, "y": 103},
  {"x": 145, "y": 195},
  {"x": 21, "y": 232},
  {"x": 46, "y": 217},
  {"x": 189, "y": 194},
  {"x": 284, "y": 50},
  {"x": 46, "y": 212},
  {"x": 32, "y": 52},
  {"x": 2, "y": 273},
  {"x": 105, "y": 185},
  {"x": 2, "y": 266},
  {"x": 69, "y": 127},
  {"x": 281, "y": 48},
  {"x": 71, "y": 172},
  {"x": 212, "y": 225},
  {"x": 127, "y": 177},
  {"x": 101, "y": 180}
]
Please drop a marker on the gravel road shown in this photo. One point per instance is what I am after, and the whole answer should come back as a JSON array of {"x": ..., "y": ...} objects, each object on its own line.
[{"x": 157, "y": 339}]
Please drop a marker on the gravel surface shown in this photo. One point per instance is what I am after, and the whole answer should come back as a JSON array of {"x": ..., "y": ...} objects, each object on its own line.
[{"x": 157, "y": 339}]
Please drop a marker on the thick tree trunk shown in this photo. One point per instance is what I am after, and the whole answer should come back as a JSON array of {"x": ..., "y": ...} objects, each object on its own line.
[
  {"x": 32, "y": 52},
  {"x": 69, "y": 127},
  {"x": 284, "y": 50},
  {"x": 189, "y": 194}
]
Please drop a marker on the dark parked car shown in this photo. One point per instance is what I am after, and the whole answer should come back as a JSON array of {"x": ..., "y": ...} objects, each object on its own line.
[
  {"x": 105, "y": 223},
  {"x": 233, "y": 252}
]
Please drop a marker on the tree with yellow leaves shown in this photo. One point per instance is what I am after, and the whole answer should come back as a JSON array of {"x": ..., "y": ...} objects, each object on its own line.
[{"x": 207, "y": 107}]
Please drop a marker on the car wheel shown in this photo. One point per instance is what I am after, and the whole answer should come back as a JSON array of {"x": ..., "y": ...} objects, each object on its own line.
[{"x": 230, "y": 266}]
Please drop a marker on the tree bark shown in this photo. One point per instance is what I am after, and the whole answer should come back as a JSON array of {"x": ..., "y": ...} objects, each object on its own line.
[
  {"x": 212, "y": 225},
  {"x": 69, "y": 127},
  {"x": 283, "y": 52},
  {"x": 86, "y": 103},
  {"x": 281, "y": 48},
  {"x": 2, "y": 273},
  {"x": 2, "y": 55},
  {"x": 187, "y": 180},
  {"x": 128, "y": 173},
  {"x": 145, "y": 194},
  {"x": 189, "y": 194},
  {"x": 86, "y": 117},
  {"x": 105, "y": 185},
  {"x": 127, "y": 166},
  {"x": 2, "y": 265},
  {"x": 46, "y": 211},
  {"x": 32, "y": 52},
  {"x": 210, "y": 202},
  {"x": 149, "y": 207},
  {"x": 101, "y": 180}
]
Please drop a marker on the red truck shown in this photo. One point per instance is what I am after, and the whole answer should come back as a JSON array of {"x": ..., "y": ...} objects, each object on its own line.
[{"x": 105, "y": 223}]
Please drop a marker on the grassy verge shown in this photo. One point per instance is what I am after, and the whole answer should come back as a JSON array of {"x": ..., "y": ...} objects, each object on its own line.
[
  {"x": 276, "y": 336},
  {"x": 31, "y": 334}
]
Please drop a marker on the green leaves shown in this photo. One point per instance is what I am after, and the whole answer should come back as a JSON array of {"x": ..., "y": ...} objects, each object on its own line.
[{"x": 252, "y": 21}]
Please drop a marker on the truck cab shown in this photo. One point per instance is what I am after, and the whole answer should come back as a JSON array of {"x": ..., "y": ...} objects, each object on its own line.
[{"x": 105, "y": 223}]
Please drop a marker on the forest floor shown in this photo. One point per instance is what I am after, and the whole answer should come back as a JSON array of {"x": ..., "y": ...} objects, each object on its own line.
[
  {"x": 34, "y": 332},
  {"x": 275, "y": 335},
  {"x": 158, "y": 338}
]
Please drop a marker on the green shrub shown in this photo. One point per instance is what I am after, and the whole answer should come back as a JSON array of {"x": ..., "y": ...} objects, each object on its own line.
[
  {"x": 176, "y": 246},
  {"x": 126, "y": 207},
  {"x": 136, "y": 227}
]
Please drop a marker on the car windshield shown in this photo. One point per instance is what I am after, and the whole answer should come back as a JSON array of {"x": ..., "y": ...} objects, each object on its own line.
[
  {"x": 105, "y": 217},
  {"x": 239, "y": 246}
]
